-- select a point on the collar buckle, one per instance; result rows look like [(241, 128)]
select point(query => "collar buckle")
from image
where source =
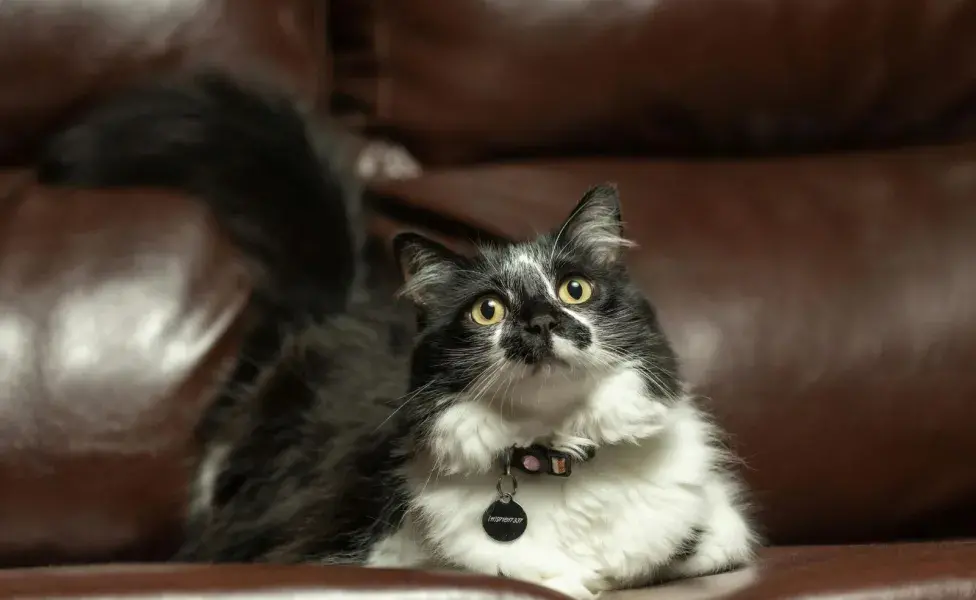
[(538, 459)]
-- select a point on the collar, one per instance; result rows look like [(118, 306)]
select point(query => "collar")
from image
[(538, 459)]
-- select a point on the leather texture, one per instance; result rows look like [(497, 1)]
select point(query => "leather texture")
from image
[(119, 311), (259, 582), (58, 56), (474, 80), (932, 571)]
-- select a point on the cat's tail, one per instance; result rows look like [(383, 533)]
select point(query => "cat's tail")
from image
[(267, 175), (271, 181)]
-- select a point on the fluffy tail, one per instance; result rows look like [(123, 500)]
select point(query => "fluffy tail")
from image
[(250, 155), (268, 180)]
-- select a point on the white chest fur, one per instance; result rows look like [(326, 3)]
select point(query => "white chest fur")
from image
[(617, 520)]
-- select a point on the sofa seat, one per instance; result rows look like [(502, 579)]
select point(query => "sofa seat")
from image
[(923, 570)]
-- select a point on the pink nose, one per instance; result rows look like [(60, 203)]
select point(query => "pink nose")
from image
[(531, 463)]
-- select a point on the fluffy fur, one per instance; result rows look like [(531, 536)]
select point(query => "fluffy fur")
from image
[(656, 502), (353, 441), (268, 173)]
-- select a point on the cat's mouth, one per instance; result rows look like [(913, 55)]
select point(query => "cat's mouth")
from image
[(545, 362), (542, 354)]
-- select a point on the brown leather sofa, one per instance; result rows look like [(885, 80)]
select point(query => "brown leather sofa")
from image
[(800, 176)]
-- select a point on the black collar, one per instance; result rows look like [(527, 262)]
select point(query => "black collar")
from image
[(538, 459)]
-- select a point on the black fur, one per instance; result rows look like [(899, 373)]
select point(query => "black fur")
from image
[(249, 154)]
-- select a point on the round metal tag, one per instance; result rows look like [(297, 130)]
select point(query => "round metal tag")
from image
[(504, 520)]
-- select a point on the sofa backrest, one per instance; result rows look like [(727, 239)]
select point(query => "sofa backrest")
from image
[(57, 57), (471, 80), (118, 313)]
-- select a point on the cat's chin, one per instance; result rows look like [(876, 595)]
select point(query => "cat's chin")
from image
[(542, 369), (546, 365)]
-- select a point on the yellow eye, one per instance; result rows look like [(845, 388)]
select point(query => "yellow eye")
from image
[(575, 290), (488, 310)]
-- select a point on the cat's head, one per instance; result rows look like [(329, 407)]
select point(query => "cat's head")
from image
[(559, 308)]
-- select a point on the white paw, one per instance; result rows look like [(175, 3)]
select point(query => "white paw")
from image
[(727, 543), (572, 445), (533, 573), (637, 430), (467, 438), (569, 585), (620, 410), (713, 556)]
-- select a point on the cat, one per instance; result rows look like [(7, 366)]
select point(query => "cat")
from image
[(520, 414)]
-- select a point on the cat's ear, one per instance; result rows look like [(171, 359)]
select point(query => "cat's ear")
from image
[(424, 263), (594, 226)]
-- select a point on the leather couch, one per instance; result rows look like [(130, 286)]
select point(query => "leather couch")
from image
[(800, 178)]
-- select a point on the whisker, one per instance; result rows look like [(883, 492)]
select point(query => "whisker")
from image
[(406, 400)]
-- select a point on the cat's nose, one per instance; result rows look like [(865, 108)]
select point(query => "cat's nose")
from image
[(541, 324)]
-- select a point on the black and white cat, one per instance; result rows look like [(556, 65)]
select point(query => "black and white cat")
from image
[(535, 427)]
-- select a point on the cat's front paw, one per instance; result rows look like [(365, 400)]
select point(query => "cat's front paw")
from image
[(579, 583), (620, 411), (726, 541), (575, 446), (467, 438), (645, 427), (570, 585)]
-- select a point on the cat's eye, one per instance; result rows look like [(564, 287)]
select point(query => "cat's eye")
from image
[(575, 290), (488, 310)]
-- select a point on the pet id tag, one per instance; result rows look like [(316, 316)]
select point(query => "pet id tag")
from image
[(504, 520)]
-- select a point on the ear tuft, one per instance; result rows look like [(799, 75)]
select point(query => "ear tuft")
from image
[(423, 263), (595, 226)]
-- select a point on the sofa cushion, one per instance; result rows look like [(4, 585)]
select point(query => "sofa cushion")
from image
[(266, 582), (117, 313), (924, 571), (57, 56), (919, 571), (822, 307), (473, 79)]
